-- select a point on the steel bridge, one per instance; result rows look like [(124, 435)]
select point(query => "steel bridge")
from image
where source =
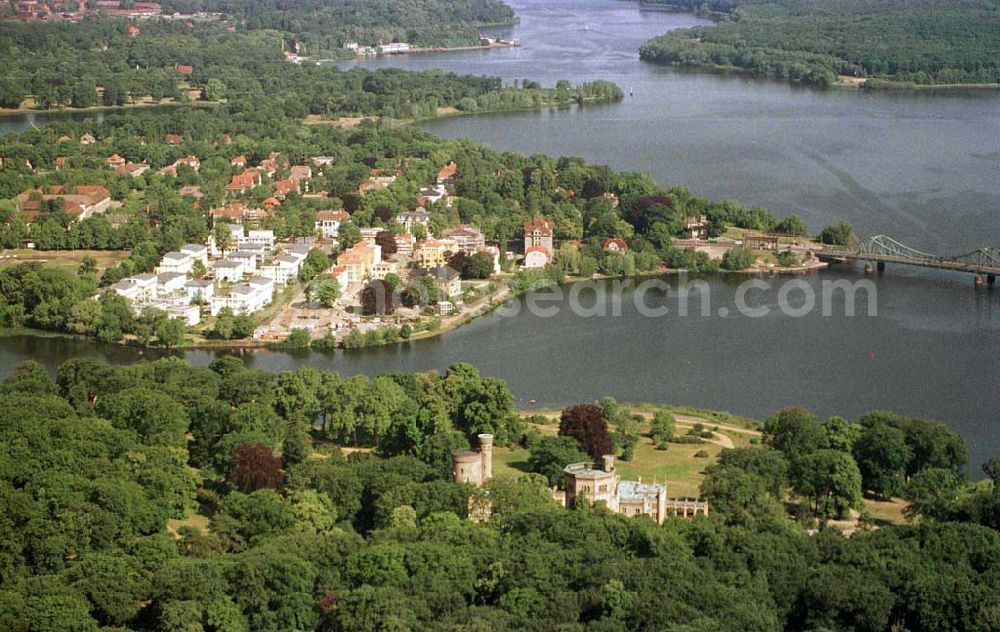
[(882, 249)]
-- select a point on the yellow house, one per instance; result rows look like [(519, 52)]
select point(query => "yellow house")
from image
[(435, 252)]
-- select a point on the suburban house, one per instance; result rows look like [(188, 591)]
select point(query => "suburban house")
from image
[(199, 291), (197, 252), (228, 271), (138, 288), (328, 223), (243, 182), (697, 226), (174, 139), (447, 174), (284, 269), (340, 274), (237, 213), (404, 244), (247, 260), (114, 161), (170, 282), (435, 252), (538, 232), (537, 257), (383, 269), (79, 202), (448, 280), (246, 298), (239, 162), (409, 219), (358, 259), (132, 169), (467, 237), (614, 245), (256, 238), (175, 261), (431, 194)]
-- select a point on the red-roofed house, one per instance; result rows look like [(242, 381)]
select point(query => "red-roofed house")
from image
[(538, 232), (614, 245), (447, 174), (238, 213), (174, 139), (114, 161), (284, 187), (60, 161), (132, 30), (537, 257), (239, 161), (271, 203), (243, 182), (184, 69), (328, 223)]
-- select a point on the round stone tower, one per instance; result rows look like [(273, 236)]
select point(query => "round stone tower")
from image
[(486, 453), (467, 467)]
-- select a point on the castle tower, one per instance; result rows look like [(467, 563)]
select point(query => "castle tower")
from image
[(486, 456)]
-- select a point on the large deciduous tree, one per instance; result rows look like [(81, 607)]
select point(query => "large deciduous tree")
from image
[(586, 424)]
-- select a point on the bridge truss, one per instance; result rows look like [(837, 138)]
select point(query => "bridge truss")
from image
[(884, 248)]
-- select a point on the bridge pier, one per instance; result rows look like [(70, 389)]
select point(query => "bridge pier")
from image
[(881, 266), (991, 279), (868, 267), (978, 282)]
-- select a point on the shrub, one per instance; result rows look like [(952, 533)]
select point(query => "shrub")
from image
[(701, 454), (663, 445)]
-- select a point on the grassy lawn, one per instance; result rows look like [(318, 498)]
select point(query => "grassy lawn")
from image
[(63, 258), (677, 466), (194, 520), (887, 511)]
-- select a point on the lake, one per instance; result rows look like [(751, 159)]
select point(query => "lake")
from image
[(921, 167)]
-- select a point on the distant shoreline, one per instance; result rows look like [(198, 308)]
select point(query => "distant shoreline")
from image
[(22, 111)]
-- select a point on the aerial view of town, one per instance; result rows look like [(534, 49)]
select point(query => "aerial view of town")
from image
[(588, 315)]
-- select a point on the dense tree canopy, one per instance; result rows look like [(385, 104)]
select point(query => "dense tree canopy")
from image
[(90, 477), (922, 42)]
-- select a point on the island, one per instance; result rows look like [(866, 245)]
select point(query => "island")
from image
[(880, 44)]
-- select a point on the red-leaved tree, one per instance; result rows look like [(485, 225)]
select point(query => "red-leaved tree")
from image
[(255, 467), (586, 424)]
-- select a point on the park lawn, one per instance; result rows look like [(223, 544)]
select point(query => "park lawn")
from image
[(887, 511), (677, 466), (195, 520), (510, 461), (62, 258)]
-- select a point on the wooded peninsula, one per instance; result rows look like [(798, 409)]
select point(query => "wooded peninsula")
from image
[(885, 43)]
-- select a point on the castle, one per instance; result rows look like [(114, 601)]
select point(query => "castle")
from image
[(584, 481), (595, 484), (474, 466)]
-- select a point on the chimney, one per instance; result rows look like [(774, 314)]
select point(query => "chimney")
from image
[(609, 462)]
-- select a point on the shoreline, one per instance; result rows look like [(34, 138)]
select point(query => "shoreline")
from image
[(850, 83), (493, 302), (446, 112), (15, 112)]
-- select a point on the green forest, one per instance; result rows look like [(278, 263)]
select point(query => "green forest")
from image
[(160, 496), (324, 26), (886, 42)]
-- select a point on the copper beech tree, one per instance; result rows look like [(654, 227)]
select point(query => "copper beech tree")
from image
[(586, 424), (255, 467)]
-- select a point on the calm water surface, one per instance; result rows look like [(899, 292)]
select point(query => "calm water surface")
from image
[(923, 168)]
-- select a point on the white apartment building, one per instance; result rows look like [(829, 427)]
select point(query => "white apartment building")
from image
[(227, 271), (175, 261)]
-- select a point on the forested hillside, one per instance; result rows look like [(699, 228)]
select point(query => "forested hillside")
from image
[(164, 497), (926, 42)]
